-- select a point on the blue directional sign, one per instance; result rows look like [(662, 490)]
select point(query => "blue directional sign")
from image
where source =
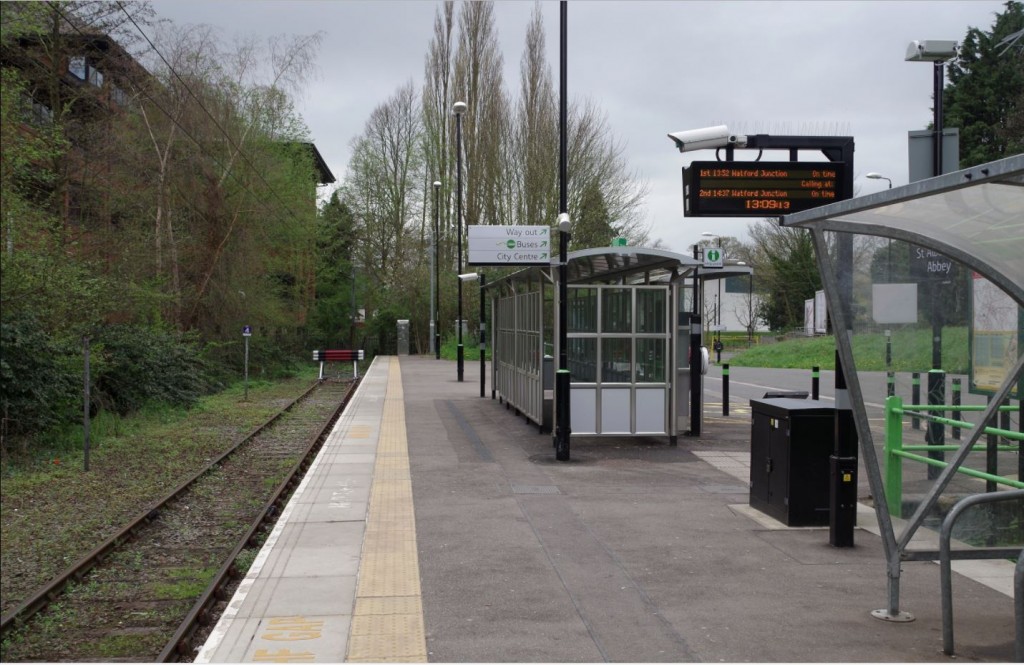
[(246, 331)]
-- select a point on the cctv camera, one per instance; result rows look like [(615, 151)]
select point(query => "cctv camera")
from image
[(469, 276), (708, 138), (563, 222), (930, 50)]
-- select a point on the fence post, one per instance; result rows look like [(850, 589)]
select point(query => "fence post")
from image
[(725, 389), (893, 461), (815, 381), (936, 434), (991, 452), (915, 397), (957, 414)]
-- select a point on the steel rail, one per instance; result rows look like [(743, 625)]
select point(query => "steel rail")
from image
[(201, 612), (52, 589)]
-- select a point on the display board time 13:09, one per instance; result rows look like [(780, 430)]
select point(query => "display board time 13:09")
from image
[(759, 189)]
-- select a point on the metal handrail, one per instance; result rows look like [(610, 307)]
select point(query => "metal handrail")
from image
[(945, 567), (896, 452)]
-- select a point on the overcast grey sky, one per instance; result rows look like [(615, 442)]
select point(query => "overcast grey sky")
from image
[(653, 67)]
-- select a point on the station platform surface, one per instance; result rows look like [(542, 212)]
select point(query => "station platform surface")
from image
[(436, 525)]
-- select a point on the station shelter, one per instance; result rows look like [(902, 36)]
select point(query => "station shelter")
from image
[(630, 319), (974, 218)]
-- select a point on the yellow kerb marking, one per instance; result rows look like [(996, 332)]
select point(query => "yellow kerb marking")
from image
[(359, 432), (387, 623)]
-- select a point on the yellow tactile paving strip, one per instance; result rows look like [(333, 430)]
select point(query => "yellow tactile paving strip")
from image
[(387, 623)]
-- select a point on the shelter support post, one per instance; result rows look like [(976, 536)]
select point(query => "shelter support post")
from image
[(844, 348), (696, 387)]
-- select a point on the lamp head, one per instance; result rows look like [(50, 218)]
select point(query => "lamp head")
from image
[(459, 108), (931, 50), (469, 277), (437, 184)]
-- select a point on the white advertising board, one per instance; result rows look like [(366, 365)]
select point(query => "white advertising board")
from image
[(809, 317), (509, 245), (894, 303), (820, 313)]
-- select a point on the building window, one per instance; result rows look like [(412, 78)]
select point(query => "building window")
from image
[(34, 112), (95, 77), (77, 67)]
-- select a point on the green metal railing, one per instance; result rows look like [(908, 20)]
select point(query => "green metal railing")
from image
[(896, 451)]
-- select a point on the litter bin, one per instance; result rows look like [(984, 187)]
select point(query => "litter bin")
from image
[(791, 441)]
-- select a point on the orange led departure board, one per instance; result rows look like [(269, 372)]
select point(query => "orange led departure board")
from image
[(759, 189)]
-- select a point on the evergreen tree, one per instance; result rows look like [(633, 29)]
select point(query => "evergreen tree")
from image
[(985, 96)]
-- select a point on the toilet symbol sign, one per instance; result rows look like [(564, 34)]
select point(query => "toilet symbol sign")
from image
[(713, 257)]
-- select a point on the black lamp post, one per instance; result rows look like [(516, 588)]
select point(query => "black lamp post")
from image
[(562, 380), (936, 52), (459, 108), (437, 279), (879, 176)]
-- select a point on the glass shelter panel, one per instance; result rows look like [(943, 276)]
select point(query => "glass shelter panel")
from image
[(583, 359), (582, 308), (616, 360), (650, 360), (651, 310), (616, 310), (930, 332)]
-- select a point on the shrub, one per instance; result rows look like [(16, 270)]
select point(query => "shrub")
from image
[(39, 379), (140, 364)]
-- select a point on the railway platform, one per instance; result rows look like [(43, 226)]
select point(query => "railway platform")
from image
[(436, 525)]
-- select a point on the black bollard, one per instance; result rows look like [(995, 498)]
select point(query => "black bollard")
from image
[(957, 414), (890, 384), (936, 434), (915, 397), (815, 382), (725, 389), (991, 452)]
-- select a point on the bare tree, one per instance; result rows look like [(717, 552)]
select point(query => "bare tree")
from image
[(383, 188)]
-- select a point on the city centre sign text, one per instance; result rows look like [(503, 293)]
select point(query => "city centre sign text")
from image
[(509, 245)]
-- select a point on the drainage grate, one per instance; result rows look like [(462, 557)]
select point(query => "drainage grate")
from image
[(535, 489)]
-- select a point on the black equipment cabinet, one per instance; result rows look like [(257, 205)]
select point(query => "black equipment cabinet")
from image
[(791, 441)]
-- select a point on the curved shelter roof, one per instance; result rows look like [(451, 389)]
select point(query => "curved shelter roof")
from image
[(975, 216), (628, 264)]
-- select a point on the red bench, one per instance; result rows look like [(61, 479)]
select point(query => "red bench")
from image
[(338, 355)]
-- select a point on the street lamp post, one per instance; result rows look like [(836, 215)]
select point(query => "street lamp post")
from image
[(936, 52), (471, 277), (459, 108), (437, 279), (879, 176), (563, 381)]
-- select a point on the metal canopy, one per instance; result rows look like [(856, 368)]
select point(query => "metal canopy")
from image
[(629, 264), (975, 216)]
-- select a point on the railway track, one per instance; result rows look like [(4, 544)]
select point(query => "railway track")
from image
[(143, 594)]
